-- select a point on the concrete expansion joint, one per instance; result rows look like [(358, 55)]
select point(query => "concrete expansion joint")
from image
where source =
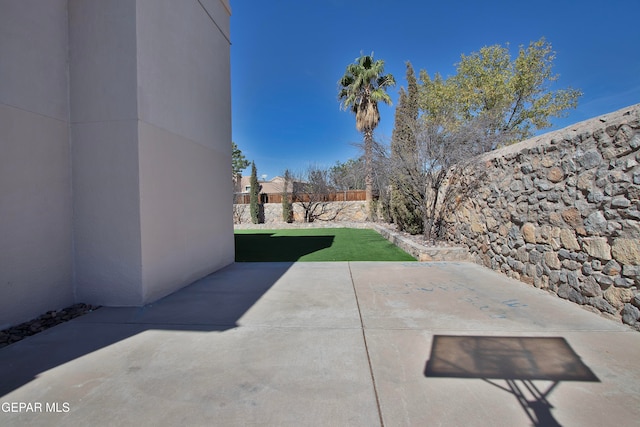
[(294, 327), (366, 348)]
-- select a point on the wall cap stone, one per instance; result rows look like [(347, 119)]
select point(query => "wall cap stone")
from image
[(624, 115)]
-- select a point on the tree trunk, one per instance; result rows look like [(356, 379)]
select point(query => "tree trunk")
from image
[(368, 170)]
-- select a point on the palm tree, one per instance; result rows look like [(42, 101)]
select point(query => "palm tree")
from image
[(363, 85)]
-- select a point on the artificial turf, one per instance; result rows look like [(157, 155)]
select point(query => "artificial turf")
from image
[(315, 244)]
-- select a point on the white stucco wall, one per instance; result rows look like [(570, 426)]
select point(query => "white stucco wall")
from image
[(115, 130), (35, 173), (106, 203), (151, 132), (184, 104), (104, 147)]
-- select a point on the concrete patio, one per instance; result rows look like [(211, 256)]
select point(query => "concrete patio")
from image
[(331, 344)]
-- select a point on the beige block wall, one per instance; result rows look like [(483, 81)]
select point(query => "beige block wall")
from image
[(35, 177)]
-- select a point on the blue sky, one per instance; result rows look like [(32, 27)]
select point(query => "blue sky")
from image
[(288, 55)]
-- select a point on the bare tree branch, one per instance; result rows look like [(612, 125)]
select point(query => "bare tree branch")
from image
[(313, 192)]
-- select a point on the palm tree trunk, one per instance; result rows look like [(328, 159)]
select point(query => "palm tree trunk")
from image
[(368, 169)]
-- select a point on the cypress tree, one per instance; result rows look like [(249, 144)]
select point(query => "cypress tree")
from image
[(403, 146), (254, 206)]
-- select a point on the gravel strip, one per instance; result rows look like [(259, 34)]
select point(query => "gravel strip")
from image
[(46, 321)]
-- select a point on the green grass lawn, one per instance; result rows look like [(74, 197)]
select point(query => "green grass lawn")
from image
[(315, 244)]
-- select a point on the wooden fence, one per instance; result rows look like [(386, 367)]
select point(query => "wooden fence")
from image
[(338, 196)]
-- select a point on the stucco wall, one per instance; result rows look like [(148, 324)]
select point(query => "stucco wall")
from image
[(152, 134), (105, 154), (115, 122), (562, 212), (184, 101), (35, 174)]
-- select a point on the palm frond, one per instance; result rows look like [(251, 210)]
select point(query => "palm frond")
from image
[(379, 95), (386, 81), (363, 85)]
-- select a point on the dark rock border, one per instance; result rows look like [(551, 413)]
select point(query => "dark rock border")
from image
[(46, 321)]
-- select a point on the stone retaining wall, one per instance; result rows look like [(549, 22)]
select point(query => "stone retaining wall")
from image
[(333, 211), (562, 212), (420, 251)]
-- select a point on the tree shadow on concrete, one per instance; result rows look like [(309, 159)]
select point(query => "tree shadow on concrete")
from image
[(213, 303), (519, 361), (264, 247)]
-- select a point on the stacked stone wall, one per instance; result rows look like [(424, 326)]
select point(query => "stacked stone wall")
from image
[(332, 211), (562, 212)]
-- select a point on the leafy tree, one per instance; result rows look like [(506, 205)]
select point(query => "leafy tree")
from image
[(363, 85), (513, 97), (239, 162), (491, 101), (254, 202), (287, 209), (403, 147), (431, 151)]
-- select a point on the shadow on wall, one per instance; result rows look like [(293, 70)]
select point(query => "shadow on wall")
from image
[(517, 360), (212, 304)]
